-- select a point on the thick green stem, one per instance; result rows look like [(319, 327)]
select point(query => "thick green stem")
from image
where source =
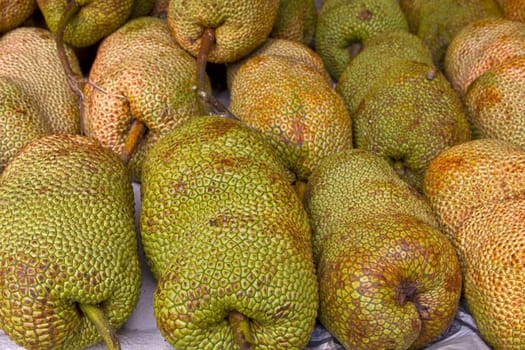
[(207, 41), (99, 319), (241, 330), (73, 80), (135, 135)]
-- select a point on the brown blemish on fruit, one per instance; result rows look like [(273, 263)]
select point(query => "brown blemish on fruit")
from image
[(488, 98)]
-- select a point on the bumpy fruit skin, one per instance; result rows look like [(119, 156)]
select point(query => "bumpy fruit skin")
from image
[(381, 56), (240, 26), (438, 22), (513, 9), (495, 102), (368, 179), (296, 20), (67, 236), (479, 46), (294, 105), (95, 19), (20, 120), (223, 230), (388, 278), (492, 243), (140, 72), (36, 98), (14, 13), (142, 8), (410, 116), (342, 23), (467, 175)]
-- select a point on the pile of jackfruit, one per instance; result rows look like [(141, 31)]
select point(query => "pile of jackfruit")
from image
[(351, 165)]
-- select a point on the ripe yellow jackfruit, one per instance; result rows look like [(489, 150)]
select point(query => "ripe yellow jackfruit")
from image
[(14, 13), (479, 46), (36, 98), (495, 102), (139, 73), (294, 105)]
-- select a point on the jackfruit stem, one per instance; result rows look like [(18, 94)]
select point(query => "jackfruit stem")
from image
[(241, 330), (73, 81), (207, 42), (101, 322), (214, 105), (135, 135)]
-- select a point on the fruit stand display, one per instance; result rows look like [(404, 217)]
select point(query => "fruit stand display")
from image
[(262, 174)]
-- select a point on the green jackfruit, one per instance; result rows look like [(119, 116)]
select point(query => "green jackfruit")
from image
[(343, 25), (239, 26), (296, 20), (14, 13), (226, 236), (365, 73), (139, 73), (94, 20), (68, 245), (437, 22), (388, 278)]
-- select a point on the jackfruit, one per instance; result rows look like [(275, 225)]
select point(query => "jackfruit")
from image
[(296, 20), (388, 278), (495, 102), (465, 176), (227, 237), (14, 13), (239, 26), (68, 245), (365, 73), (513, 9), (477, 191), (479, 46), (343, 25), (438, 22), (36, 99), (491, 242), (293, 104), (402, 107), (94, 19), (139, 73)]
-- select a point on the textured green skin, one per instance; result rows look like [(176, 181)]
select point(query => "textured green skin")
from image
[(14, 13), (380, 57), (437, 22), (19, 121), (368, 179), (296, 20), (36, 99), (223, 230), (240, 25), (292, 104), (142, 8), (400, 104), (145, 75), (363, 266), (67, 236), (343, 22), (95, 20), (373, 234)]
